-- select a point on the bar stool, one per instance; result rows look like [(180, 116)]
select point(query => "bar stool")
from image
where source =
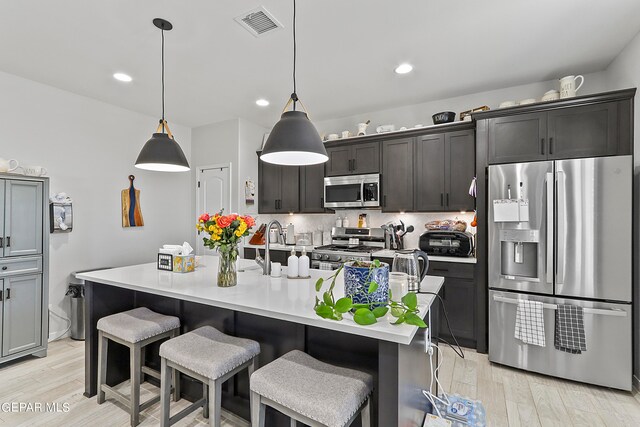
[(135, 329), (312, 392), (209, 356)]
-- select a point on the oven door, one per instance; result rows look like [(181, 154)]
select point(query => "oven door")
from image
[(354, 191)]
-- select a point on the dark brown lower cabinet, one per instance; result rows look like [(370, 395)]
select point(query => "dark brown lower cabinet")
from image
[(459, 296)]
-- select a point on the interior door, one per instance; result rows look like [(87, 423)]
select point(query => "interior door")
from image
[(594, 223), (21, 326), (213, 196), (23, 218)]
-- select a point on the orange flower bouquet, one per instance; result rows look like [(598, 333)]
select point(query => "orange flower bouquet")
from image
[(225, 232)]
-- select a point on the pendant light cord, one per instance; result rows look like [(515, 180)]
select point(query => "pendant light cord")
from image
[(294, 95), (162, 32)]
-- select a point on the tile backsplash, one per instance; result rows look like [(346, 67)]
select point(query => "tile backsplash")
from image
[(307, 223)]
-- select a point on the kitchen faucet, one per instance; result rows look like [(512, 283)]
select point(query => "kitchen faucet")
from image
[(266, 263)]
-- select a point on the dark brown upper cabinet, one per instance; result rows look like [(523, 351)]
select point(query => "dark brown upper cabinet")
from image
[(397, 175), (279, 188), (444, 168), (349, 159), (573, 131), (312, 189)]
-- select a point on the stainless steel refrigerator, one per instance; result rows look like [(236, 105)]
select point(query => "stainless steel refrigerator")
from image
[(560, 232)]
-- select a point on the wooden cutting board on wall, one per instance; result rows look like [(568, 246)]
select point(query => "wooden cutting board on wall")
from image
[(131, 211)]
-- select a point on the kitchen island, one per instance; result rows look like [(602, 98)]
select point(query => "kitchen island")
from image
[(276, 312)]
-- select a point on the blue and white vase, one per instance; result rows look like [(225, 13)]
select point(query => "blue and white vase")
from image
[(356, 284)]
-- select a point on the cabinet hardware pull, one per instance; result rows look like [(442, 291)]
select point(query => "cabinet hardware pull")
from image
[(542, 146), (275, 204), (8, 294), (355, 167), (8, 241), (4, 268), (440, 269), (447, 199), (441, 199), (1, 242), (0, 295), (550, 145), (384, 200)]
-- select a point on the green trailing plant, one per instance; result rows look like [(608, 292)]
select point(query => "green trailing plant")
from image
[(327, 307)]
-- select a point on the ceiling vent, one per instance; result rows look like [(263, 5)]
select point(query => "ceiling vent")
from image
[(258, 21)]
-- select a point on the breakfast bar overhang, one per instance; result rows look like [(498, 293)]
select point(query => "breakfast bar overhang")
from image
[(276, 312)]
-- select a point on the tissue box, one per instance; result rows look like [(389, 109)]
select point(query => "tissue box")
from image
[(184, 263), (176, 263)]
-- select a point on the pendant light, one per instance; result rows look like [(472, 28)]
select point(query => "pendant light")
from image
[(162, 152), (294, 140)]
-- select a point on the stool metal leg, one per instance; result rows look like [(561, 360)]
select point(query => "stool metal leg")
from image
[(205, 394), (143, 353), (135, 384), (175, 376), (365, 414), (257, 410), (165, 392), (103, 346), (215, 402)]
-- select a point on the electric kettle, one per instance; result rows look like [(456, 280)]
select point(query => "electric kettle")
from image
[(409, 262)]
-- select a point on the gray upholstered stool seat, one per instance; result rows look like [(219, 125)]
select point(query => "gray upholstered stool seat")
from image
[(311, 391), (135, 329), (210, 352), (137, 324), (209, 356)]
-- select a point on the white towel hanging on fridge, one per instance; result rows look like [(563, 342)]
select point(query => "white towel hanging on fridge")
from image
[(530, 322)]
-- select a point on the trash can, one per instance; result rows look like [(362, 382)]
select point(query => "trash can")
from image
[(76, 294)]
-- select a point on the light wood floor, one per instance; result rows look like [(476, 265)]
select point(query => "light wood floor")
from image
[(511, 397)]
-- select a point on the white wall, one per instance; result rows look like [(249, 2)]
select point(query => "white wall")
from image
[(89, 149), (411, 115), (622, 73), (249, 141)]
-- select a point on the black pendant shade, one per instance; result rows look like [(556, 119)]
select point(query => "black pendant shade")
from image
[(162, 152), (293, 141)]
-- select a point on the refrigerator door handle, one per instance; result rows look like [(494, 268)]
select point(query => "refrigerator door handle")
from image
[(587, 310), (560, 224), (550, 216)]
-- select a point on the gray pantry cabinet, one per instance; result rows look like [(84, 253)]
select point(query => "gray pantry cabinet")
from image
[(24, 242)]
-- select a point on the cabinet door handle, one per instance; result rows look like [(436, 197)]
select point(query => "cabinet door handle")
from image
[(441, 199), (440, 269), (384, 200), (8, 297), (0, 295), (447, 199), (322, 202), (542, 146), (1, 242), (8, 241), (550, 145), (4, 268), (355, 167)]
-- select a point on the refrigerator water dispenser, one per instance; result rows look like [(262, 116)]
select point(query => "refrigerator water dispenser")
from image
[(519, 254)]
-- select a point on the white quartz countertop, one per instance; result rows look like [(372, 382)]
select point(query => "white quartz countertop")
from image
[(390, 253), (285, 299)]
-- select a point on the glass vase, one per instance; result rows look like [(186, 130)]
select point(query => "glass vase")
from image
[(227, 275)]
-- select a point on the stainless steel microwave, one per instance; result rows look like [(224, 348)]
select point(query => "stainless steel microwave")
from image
[(352, 191)]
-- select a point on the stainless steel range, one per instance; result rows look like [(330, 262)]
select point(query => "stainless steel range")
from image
[(347, 244)]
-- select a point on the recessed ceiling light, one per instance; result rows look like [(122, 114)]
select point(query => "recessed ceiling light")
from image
[(404, 68), (122, 77), (262, 102)]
